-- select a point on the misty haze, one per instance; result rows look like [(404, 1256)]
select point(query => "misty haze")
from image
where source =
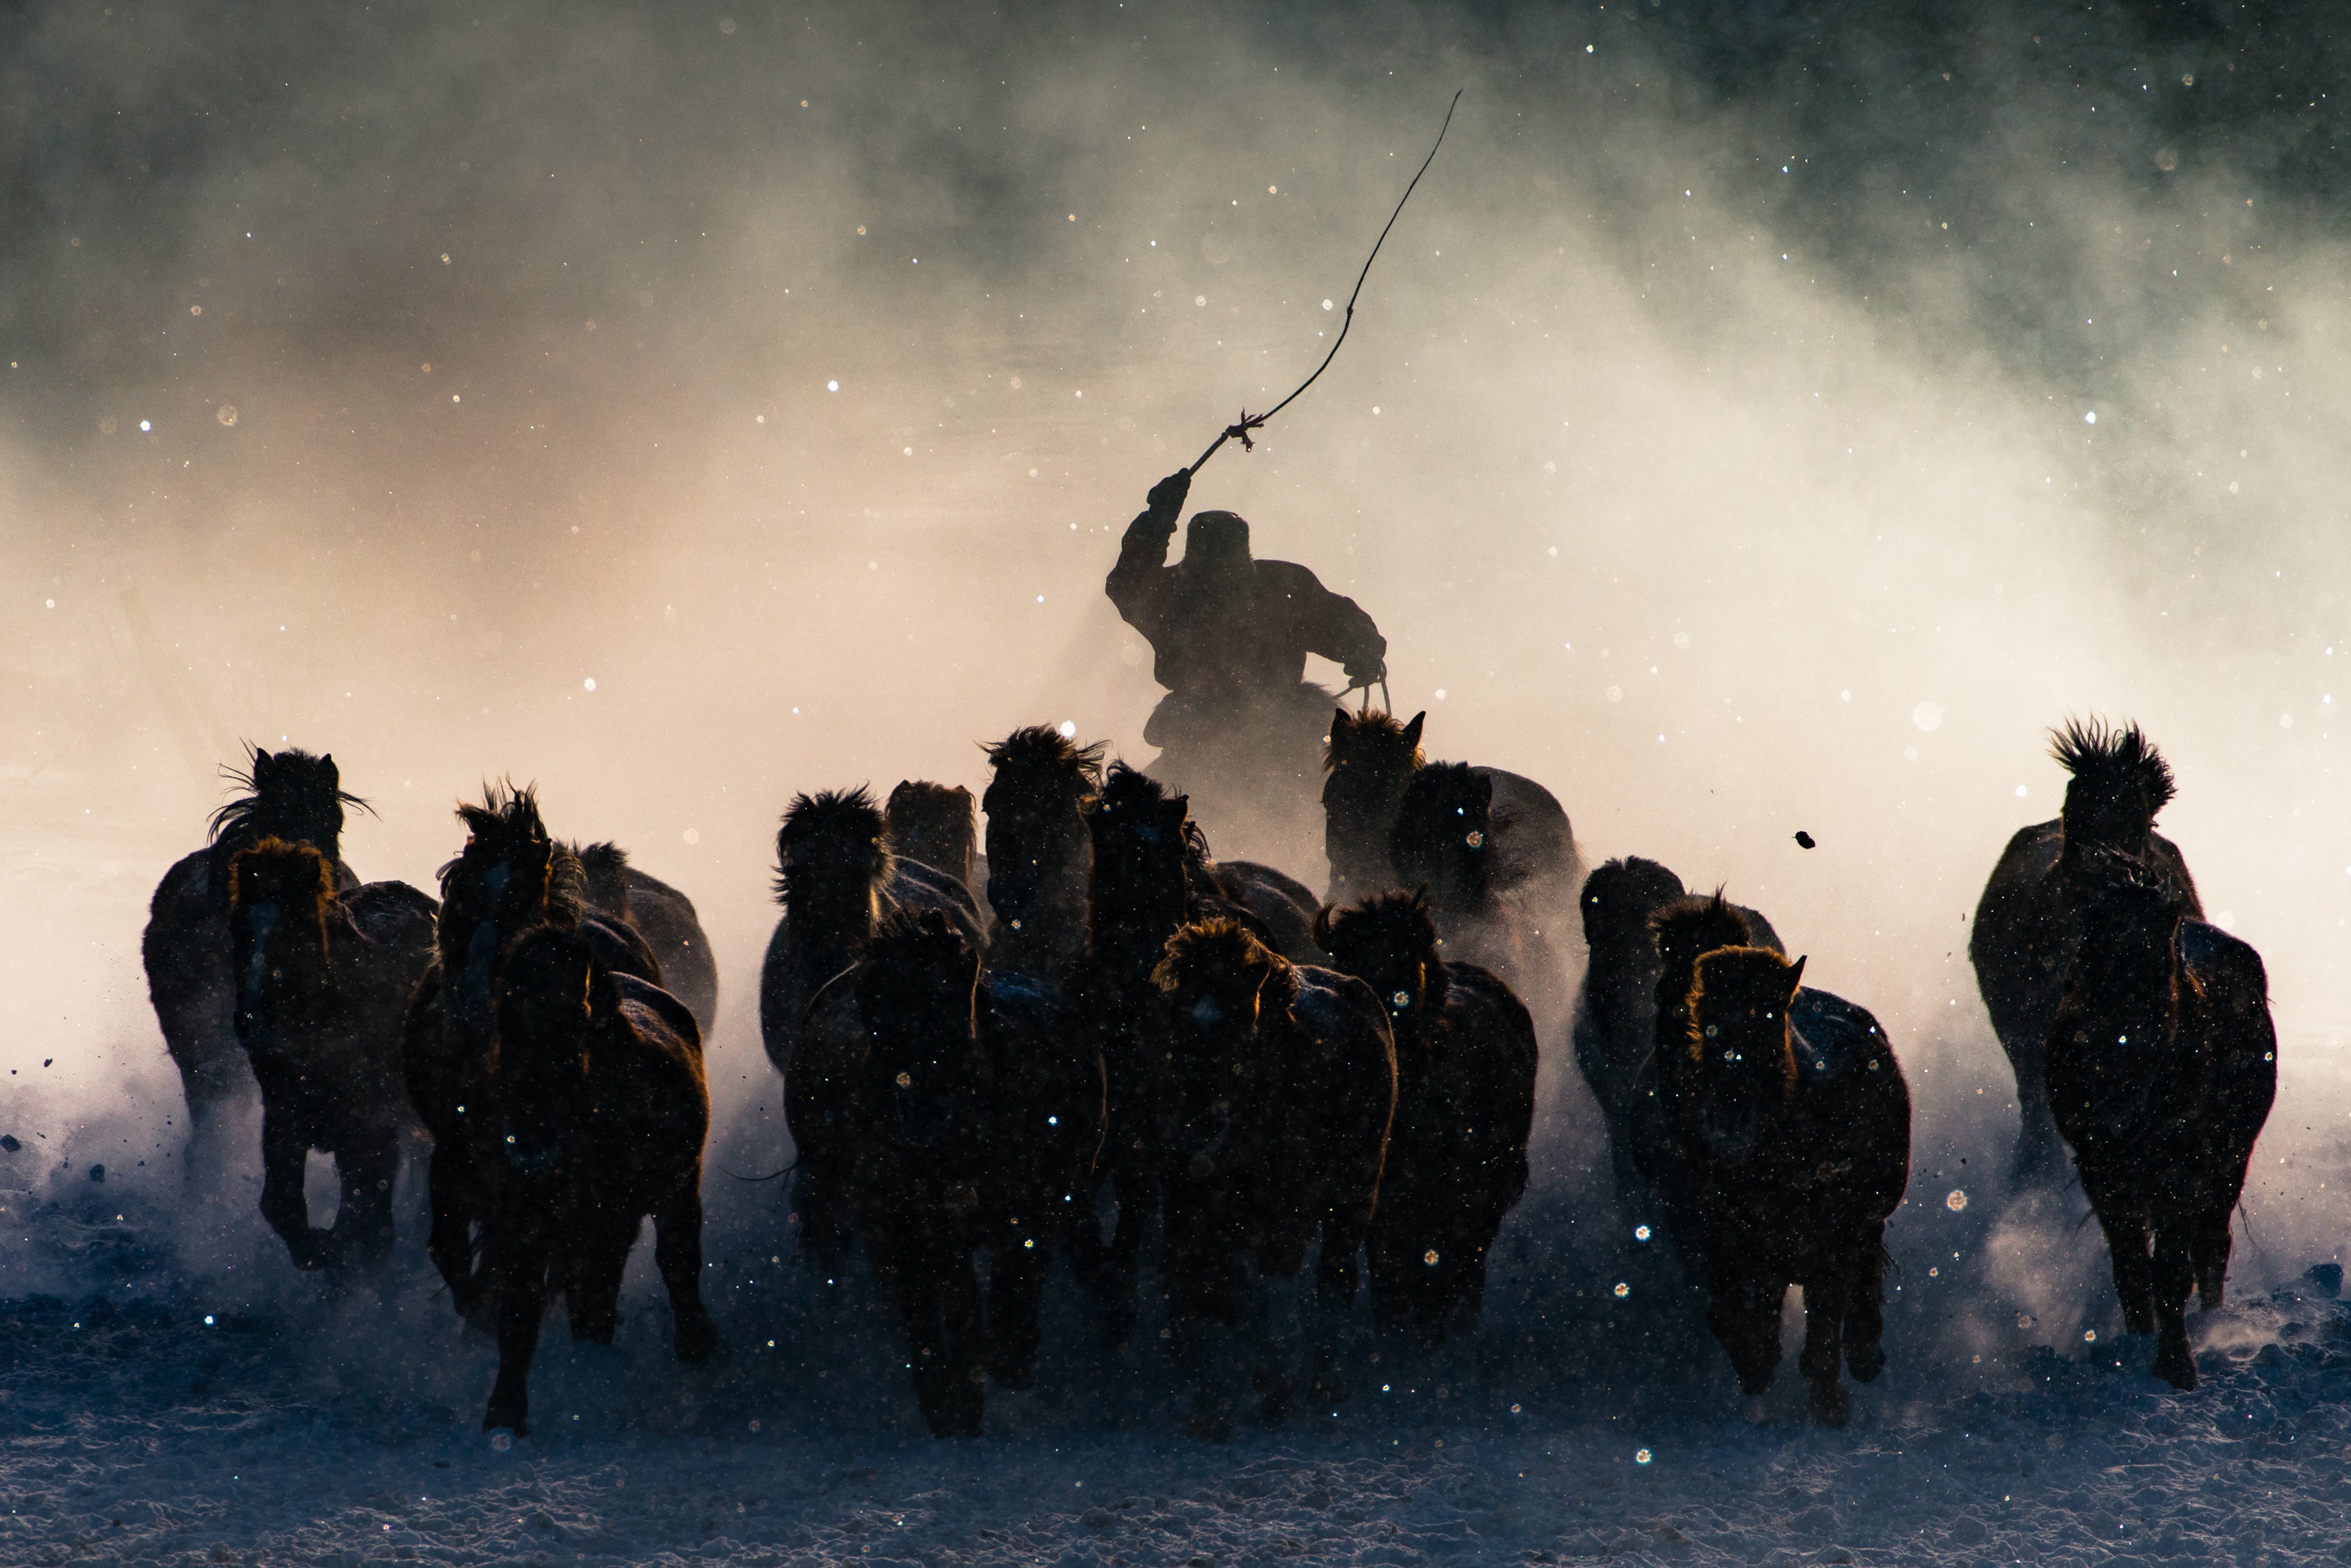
[(1763, 432)]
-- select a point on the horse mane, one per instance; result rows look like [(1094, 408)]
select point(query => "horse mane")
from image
[(1394, 921), (1380, 723), (1743, 974), (604, 868), (550, 955), (507, 819), (2111, 765), (915, 939), (1623, 898), (304, 867), (1124, 789), (921, 814), (1230, 947), (848, 817), (1040, 751), (289, 795)]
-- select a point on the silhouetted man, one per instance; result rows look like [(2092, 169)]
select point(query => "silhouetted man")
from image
[(1241, 725)]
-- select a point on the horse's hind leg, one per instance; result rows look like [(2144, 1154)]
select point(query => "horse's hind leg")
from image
[(1334, 1294), (965, 1398), (1743, 1312), (678, 1253), (2210, 1253), (2174, 1274), (2125, 1222), (1273, 1371), (1865, 1308), (1827, 1301), (596, 1258)]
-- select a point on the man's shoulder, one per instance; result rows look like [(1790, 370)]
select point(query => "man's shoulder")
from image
[(1287, 577)]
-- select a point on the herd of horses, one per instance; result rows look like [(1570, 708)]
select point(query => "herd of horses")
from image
[(1085, 1036)]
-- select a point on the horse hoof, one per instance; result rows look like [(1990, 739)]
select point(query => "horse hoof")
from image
[(698, 1340), (1866, 1361), (2177, 1367), (2213, 1296), (1019, 1376), (1830, 1404), (517, 1421)]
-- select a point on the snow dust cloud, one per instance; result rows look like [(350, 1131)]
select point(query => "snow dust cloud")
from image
[(1761, 420)]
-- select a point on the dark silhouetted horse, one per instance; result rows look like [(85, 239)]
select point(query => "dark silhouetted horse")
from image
[(837, 882), (1791, 1120), (1037, 847), (663, 916), (1279, 1097), (323, 983), (2162, 1064), (603, 1111), (1371, 757), (2025, 932), (509, 878), (289, 795), (1443, 843), (939, 1116), (1456, 1161), (1616, 1028)]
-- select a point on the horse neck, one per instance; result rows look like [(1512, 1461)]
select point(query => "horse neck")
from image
[(1359, 812), (299, 955), (1126, 937), (1042, 887), (2119, 990)]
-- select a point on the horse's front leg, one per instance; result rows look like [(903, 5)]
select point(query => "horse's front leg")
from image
[(1743, 1312), (1865, 1306), (1335, 1297), (2123, 1216), (285, 1156), (1273, 1343), (2173, 1278), (522, 1302), (1017, 1263), (1827, 1303)]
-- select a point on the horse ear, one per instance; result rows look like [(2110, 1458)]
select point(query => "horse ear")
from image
[(1796, 975), (1322, 926), (327, 765), (1411, 731), (1339, 719), (262, 761)]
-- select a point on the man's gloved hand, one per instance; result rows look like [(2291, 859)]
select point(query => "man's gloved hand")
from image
[(1366, 676), (1166, 497)]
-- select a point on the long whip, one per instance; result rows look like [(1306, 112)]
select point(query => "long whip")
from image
[(1239, 429)]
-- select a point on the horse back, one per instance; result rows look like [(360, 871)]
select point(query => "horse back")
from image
[(1285, 905), (2228, 996), (665, 918), (1533, 841), (1490, 1054), (620, 947), (673, 1014), (653, 1093)]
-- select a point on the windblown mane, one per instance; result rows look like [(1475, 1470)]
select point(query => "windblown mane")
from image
[(1690, 928), (915, 941), (2110, 766), (1040, 751), (604, 867), (847, 819), (921, 815), (290, 794), (1226, 946), (508, 819), (1127, 791), (294, 867)]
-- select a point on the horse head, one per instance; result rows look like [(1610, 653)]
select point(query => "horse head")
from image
[(281, 895), (1442, 836), (2117, 782), (1037, 843), (502, 883), (1389, 942), (1222, 987), (917, 991), (1685, 929), (1742, 1059), (1141, 874), (552, 1001), (604, 871), (1369, 759), (832, 870), (289, 795), (933, 823)]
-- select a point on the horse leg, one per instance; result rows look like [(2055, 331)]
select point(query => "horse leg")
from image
[(2210, 1253), (678, 1253), (1864, 1307), (963, 1397), (2123, 1219), (522, 1302), (2173, 1278), (366, 1164), (449, 1180), (594, 1262), (1827, 1299), (1118, 1285), (1334, 1296), (284, 1152), (1743, 1312), (1273, 1364), (1192, 1343), (912, 1277), (1016, 1287)]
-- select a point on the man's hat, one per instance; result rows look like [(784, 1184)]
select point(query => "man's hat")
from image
[(1213, 534)]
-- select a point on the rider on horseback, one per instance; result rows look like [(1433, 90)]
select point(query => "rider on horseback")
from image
[(1230, 637)]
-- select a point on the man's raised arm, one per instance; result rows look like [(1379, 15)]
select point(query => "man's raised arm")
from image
[(1137, 584)]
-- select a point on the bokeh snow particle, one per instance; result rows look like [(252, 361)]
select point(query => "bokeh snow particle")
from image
[(1957, 1201), (1642, 1455), (1927, 717), (1068, 728), (2091, 417), (693, 835), (228, 413), (148, 424), (589, 683), (1326, 305)]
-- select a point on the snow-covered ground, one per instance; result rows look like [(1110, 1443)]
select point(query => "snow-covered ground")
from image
[(171, 1392)]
